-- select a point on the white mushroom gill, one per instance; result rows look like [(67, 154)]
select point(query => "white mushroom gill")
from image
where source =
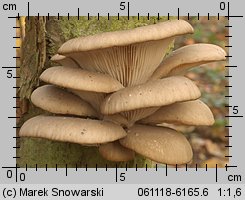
[(135, 115), (130, 65)]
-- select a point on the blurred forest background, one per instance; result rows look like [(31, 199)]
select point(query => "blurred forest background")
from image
[(39, 41)]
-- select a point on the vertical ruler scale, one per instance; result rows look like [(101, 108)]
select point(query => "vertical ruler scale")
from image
[(227, 182), (236, 105), (8, 75)]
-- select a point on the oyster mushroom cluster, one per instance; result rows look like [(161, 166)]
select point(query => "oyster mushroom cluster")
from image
[(115, 89)]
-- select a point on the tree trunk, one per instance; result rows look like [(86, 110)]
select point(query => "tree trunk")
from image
[(43, 37)]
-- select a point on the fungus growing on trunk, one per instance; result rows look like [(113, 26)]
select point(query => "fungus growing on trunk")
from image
[(129, 56), (123, 79)]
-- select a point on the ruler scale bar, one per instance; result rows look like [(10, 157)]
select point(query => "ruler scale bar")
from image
[(225, 171)]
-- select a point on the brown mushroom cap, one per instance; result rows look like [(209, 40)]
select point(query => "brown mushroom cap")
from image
[(129, 56), (63, 60), (76, 78), (69, 129), (187, 57), (114, 151), (186, 113), (126, 37), (151, 94), (59, 101), (163, 145)]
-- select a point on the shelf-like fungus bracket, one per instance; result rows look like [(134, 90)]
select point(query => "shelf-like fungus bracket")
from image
[(70, 129), (151, 94), (78, 79), (187, 57), (194, 113), (59, 101), (163, 145), (129, 56)]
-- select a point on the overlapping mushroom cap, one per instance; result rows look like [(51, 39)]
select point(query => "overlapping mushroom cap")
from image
[(129, 56), (123, 79)]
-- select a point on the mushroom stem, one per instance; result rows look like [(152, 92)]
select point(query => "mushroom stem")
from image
[(135, 115)]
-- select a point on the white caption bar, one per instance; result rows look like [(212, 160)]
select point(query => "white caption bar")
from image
[(123, 191)]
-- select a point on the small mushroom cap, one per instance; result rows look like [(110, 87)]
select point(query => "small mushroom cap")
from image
[(75, 78), (187, 57), (163, 145), (57, 57), (69, 129), (126, 37), (59, 101), (185, 113), (63, 60), (151, 94), (114, 151)]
